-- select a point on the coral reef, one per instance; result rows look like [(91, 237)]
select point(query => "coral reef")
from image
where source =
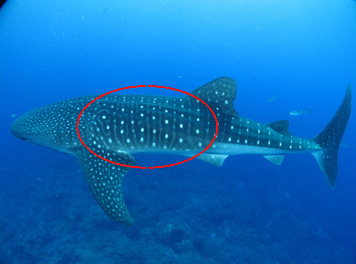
[(180, 218)]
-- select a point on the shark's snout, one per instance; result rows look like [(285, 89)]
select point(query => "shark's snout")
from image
[(16, 130), (22, 127)]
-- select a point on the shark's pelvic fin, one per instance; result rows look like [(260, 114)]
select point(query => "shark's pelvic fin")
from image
[(275, 159), (329, 139), (213, 159), (105, 181), (219, 94)]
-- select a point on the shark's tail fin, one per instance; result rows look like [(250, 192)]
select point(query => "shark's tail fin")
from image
[(329, 139)]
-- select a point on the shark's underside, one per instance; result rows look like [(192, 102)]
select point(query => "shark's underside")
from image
[(117, 126)]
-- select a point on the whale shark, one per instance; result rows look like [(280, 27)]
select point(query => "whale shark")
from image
[(118, 126)]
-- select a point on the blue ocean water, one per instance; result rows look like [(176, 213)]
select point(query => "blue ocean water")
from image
[(284, 56)]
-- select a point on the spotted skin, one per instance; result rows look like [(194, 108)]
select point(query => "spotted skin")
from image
[(105, 181), (117, 126)]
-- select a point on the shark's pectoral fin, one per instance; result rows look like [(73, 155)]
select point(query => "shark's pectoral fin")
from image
[(105, 179), (213, 159), (275, 159)]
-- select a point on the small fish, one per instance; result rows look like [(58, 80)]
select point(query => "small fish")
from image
[(271, 99), (13, 115), (301, 112)]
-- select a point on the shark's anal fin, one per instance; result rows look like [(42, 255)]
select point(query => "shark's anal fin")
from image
[(105, 181)]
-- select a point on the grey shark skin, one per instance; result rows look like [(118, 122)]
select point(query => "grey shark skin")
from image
[(117, 126)]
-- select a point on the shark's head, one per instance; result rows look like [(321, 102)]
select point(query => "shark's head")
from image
[(26, 127), (51, 126), (34, 127), (18, 128)]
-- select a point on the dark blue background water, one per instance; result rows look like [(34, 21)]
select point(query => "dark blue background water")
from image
[(249, 211)]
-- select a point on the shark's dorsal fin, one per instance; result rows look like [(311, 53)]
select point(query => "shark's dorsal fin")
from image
[(219, 94), (105, 179), (281, 126)]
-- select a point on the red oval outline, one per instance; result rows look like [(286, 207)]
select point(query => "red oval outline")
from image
[(154, 167)]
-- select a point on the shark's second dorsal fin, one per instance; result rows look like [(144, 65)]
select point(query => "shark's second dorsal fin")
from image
[(105, 180), (219, 94), (281, 126)]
